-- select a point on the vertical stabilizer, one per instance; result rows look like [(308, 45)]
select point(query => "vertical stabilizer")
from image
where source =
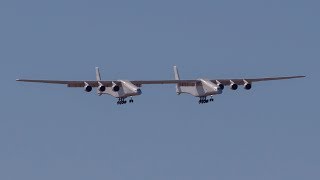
[(177, 77), (176, 73), (98, 77)]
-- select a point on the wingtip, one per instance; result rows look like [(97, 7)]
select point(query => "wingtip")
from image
[(17, 79)]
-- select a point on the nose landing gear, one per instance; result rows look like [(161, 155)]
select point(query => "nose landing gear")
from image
[(131, 100)]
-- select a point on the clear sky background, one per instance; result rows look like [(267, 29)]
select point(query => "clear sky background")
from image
[(53, 132)]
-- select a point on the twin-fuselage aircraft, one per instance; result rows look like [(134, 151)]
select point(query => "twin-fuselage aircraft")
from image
[(123, 89)]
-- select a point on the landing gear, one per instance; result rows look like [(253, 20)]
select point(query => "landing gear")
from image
[(211, 98), (121, 101), (204, 100)]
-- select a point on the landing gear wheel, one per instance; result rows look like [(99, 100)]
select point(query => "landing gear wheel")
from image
[(121, 101), (204, 100)]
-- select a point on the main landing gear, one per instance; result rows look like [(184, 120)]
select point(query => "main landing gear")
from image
[(123, 101), (204, 100)]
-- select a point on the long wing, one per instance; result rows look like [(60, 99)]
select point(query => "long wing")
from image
[(243, 81), (225, 82)]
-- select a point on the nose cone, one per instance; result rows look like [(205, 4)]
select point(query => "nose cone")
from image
[(139, 92)]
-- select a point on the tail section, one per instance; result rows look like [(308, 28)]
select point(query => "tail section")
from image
[(101, 87), (98, 77), (177, 77), (176, 73)]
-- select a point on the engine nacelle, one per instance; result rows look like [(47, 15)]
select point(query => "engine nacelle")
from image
[(221, 86), (88, 88), (247, 86), (115, 88), (101, 88), (234, 86)]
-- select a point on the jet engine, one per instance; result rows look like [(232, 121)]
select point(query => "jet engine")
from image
[(234, 86), (221, 86), (88, 88), (247, 86), (115, 88), (101, 88)]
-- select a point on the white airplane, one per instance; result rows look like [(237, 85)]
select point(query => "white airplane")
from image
[(123, 89)]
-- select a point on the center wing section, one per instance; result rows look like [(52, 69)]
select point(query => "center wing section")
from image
[(162, 82)]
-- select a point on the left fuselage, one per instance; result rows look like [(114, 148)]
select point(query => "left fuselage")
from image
[(202, 89)]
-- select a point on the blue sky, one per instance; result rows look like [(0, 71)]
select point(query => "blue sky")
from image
[(54, 132)]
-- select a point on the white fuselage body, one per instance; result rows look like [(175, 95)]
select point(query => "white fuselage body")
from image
[(202, 89)]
